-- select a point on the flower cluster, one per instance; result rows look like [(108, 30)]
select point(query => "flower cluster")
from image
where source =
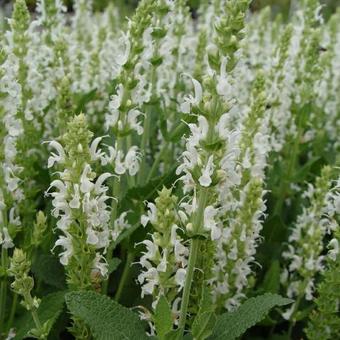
[(22, 285), (304, 252), (80, 204), (165, 260)]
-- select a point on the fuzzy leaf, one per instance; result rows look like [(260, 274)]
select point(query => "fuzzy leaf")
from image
[(84, 99), (149, 190), (125, 234), (271, 281), (49, 310), (203, 325), (113, 264), (48, 269), (163, 318), (173, 335), (232, 325), (205, 320), (107, 319), (206, 304)]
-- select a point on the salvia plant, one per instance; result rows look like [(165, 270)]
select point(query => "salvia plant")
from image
[(173, 174)]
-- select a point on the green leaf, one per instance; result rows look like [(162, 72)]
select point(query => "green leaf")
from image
[(47, 268), (107, 319), (84, 99), (205, 320), (125, 234), (149, 190), (174, 335), (303, 171), (49, 310), (229, 326), (271, 281), (163, 318), (113, 264), (206, 304), (203, 325)]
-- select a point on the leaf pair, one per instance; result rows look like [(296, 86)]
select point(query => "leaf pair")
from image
[(49, 310), (109, 321), (230, 326)]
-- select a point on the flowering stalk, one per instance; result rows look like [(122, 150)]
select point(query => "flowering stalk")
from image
[(304, 253), (324, 320), (242, 207), (124, 106), (23, 285), (13, 126), (209, 145), (81, 209), (165, 261)]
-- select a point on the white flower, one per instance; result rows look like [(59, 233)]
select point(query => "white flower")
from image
[(120, 224), (205, 179), (222, 126), (337, 203), (92, 237), (111, 119), (198, 132), (107, 159), (75, 201), (190, 100), (152, 278), (12, 219), (123, 54), (309, 290), (100, 265), (151, 249), (223, 86), (58, 157), (85, 184), (162, 265), (180, 278), (11, 334), (181, 252), (5, 239), (119, 165), (288, 313), (132, 160), (96, 154), (144, 220), (133, 122), (66, 243), (334, 249), (209, 222), (151, 215), (116, 99), (99, 188)]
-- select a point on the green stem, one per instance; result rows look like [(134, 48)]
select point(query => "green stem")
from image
[(144, 142), (3, 288), (147, 120), (116, 185), (155, 164), (13, 310), (203, 197), (285, 183), (194, 246), (36, 319), (116, 188), (296, 308), (125, 275), (130, 179)]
